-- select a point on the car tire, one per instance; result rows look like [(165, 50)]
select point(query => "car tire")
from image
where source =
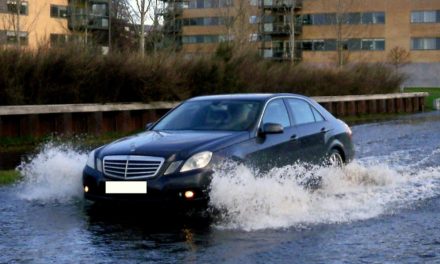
[(335, 158)]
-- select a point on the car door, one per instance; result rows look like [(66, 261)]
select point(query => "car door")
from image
[(310, 128), (273, 150)]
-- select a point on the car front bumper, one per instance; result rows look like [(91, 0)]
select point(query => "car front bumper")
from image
[(162, 190)]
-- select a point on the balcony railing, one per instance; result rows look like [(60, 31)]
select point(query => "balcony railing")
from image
[(282, 4)]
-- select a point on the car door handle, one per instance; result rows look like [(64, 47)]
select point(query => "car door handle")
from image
[(293, 137), (324, 130)]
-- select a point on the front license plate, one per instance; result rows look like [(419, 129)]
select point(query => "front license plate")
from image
[(129, 187)]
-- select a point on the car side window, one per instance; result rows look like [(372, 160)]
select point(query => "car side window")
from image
[(318, 116), (302, 111), (276, 112)]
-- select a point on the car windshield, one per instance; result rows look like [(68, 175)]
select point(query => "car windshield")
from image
[(225, 115)]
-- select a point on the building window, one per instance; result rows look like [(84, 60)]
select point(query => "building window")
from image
[(204, 21), (58, 11), (12, 7), (351, 44), (425, 17), (373, 44), (254, 19), (344, 18), (319, 45), (376, 18), (209, 3), (11, 37), (425, 43), (203, 39), (58, 39), (99, 10), (353, 18)]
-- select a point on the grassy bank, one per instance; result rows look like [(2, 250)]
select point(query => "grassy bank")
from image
[(9, 177), (434, 93)]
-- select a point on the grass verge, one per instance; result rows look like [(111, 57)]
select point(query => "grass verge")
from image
[(434, 93), (9, 177)]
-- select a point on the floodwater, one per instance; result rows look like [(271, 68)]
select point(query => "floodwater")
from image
[(382, 208)]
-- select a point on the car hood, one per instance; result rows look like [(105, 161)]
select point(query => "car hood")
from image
[(182, 144)]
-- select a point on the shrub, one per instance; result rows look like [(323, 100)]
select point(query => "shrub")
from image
[(72, 75)]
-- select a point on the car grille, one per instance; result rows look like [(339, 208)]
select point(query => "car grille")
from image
[(132, 167)]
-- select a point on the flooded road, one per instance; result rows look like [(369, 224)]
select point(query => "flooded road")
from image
[(382, 208)]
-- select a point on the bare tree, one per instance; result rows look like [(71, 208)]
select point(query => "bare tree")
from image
[(139, 11), (398, 57), (342, 7), (236, 15), (291, 4), (341, 20)]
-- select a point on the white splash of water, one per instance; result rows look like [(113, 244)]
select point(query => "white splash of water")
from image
[(54, 174), (279, 199)]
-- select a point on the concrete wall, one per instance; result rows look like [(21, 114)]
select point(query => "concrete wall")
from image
[(20, 121)]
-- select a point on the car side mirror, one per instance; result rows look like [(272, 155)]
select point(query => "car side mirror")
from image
[(272, 128), (149, 125)]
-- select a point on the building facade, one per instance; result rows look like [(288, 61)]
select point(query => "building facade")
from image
[(52, 22), (313, 31)]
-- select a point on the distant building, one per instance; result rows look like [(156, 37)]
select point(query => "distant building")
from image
[(53, 22), (323, 31), (326, 32)]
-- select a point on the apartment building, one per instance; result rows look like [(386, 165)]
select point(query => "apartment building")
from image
[(33, 23), (312, 31)]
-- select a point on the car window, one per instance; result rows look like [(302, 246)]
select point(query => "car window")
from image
[(276, 112), (301, 110), (212, 115), (318, 116)]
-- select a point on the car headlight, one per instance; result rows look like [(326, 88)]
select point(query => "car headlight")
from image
[(197, 161), (91, 159)]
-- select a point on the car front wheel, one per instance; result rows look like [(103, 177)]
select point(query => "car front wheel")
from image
[(335, 158)]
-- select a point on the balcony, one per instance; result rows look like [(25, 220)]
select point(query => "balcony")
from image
[(282, 4), (280, 29)]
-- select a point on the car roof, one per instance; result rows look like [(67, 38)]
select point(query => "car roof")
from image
[(248, 96)]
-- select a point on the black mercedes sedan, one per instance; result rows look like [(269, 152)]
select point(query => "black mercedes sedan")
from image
[(173, 160)]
